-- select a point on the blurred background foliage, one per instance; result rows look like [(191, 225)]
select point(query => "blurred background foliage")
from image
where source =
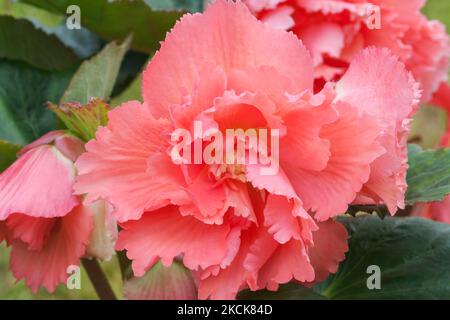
[(39, 55)]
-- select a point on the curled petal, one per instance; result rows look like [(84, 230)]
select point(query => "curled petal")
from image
[(38, 184), (64, 247), (164, 234)]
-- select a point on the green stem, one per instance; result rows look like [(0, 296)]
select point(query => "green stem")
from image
[(98, 279), (124, 264)]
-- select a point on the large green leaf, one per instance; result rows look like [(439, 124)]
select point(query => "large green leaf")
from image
[(439, 10), (21, 40), (24, 92), (185, 5), (413, 255), (8, 153), (428, 175), (114, 20), (290, 291), (96, 77)]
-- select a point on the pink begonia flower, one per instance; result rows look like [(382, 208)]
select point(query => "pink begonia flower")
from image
[(336, 30), (234, 226), (46, 225)]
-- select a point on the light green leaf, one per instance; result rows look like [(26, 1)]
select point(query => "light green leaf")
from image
[(20, 10), (438, 10), (429, 126), (186, 5), (132, 92), (96, 77), (413, 255), (21, 40), (291, 291), (82, 120), (24, 92), (428, 175), (8, 153), (115, 20)]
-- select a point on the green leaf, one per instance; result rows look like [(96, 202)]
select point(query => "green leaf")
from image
[(413, 255), (290, 291), (20, 10), (428, 175), (438, 10), (82, 120), (21, 40), (132, 92), (185, 5), (8, 153), (24, 92), (83, 42), (96, 77), (115, 20)]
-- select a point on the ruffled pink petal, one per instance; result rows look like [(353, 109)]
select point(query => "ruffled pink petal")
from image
[(189, 187), (210, 83), (238, 198), (429, 62), (330, 191), (303, 147), (330, 246), (222, 36), (115, 165), (387, 183), (321, 39), (334, 6), (379, 86), (266, 81), (64, 247), (30, 230), (227, 282), (276, 184), (289, 261), (281, 216), (258, 5), (207, 199), (280, 18), (38, 184), (164, 234), (245, 111)]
